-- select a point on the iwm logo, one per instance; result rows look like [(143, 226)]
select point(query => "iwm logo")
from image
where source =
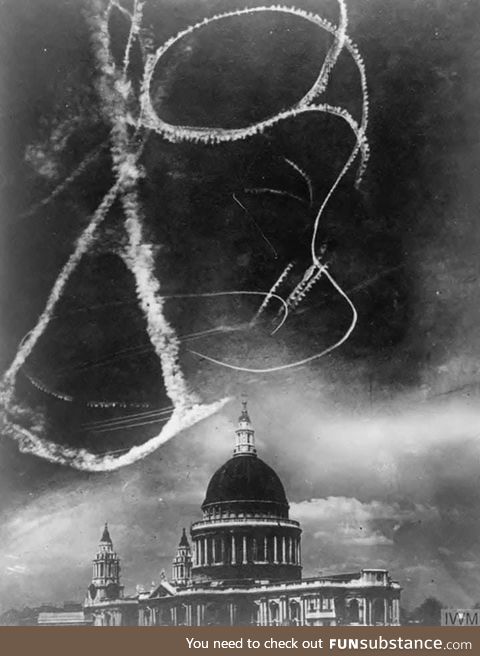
[(460, 617)]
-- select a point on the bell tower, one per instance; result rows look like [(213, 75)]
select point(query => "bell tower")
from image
[(106, 572), (182, 563)]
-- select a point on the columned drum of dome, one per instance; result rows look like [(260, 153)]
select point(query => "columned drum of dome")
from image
[(245, 533)]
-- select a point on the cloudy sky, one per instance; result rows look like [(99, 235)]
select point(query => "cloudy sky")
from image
[(377, 444)]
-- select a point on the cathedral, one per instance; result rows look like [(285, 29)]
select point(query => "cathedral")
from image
[(242, 565)]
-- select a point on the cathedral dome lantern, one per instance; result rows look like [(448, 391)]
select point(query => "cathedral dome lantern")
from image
[(245, 435), (246, 532)]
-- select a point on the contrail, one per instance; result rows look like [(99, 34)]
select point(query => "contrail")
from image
[(306, 178), (89, 158), (297, 363), (116, 95), (275, 192)]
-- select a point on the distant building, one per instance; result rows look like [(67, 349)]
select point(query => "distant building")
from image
[(71, 613), (244, 565), (63, 618)]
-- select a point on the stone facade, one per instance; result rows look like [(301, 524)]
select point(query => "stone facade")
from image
[(244, 567)]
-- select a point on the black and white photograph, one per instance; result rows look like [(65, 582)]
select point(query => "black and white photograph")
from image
[(240, 312)]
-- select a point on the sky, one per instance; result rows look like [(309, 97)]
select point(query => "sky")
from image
[(377, 444)]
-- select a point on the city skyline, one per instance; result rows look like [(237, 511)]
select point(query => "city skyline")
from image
[(376, 440)]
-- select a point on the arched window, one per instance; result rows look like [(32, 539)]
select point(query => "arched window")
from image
[(294, 612), (274, 613)]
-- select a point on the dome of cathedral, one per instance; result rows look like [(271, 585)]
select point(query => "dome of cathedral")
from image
[(245, 533), (245, 478)]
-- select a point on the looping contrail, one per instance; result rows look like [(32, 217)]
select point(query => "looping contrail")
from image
[(297, 363), (116, 94)]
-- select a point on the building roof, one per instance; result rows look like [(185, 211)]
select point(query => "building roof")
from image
[(184, 540), (245, 478), (106, 535)]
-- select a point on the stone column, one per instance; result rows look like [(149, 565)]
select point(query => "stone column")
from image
[(214, 550), (244, 550), (234, 557), (361, 611), (275, 549), (284, 547), (283, 611), (396, 611), (265, 549), (263, 612), (205, 550)]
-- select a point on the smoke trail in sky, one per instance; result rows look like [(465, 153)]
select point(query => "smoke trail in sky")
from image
[(297, 363), (127, 139), (308, 180)]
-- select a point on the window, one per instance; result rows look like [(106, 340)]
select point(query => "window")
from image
[(326, 603), (294, 611)]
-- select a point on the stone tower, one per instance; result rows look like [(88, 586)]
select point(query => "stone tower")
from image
[(182, 563), (106, 572)]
